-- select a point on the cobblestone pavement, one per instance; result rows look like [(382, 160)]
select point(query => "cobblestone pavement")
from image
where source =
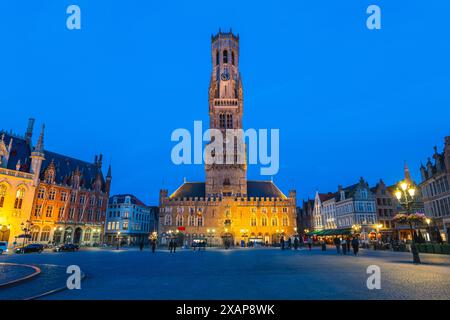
[(249, 273)]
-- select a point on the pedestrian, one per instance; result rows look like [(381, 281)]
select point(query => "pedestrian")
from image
[(337, 243), (344, 246), (324, 245), (282, 242), (289, 243), (141, 245), (355, 245), (349, 243), (174, 246), (296, 243), (310, 242), (170, 245), (153, 245)]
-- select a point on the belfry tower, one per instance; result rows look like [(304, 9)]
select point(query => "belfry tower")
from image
[(228, 178)]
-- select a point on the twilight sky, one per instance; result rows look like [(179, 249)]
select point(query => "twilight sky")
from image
[(348, 101)]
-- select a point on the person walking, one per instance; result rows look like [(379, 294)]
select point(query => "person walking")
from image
[(289, 243), (282, 242), (153, 245), (349, 244), (337, 243), (355, 245), (310, 242), (296, 243), (344, 246), (171, 245), (174, 246)]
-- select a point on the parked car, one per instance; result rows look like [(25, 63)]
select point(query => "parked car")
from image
[(3, 247), (33, 247), (66, 247)]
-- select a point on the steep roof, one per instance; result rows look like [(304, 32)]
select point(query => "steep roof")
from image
[(65, 166), (254, 189), (20, 150), (121, 199)]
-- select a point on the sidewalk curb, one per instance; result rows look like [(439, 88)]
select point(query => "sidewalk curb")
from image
[(36, 272)]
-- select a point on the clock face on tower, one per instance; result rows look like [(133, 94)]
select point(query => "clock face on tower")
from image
[(225, 76)]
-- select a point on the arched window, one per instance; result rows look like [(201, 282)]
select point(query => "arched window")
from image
[(285, 221), (232, 58), (226, 182), (191, 221), (179, 220), (45, 234), (264, 221), (19, 198), (168, 220), (225, 56), (2, 195), (87, 234), (222, 120), (41, 193), (52, 194), (229, 121), (274, 221), (35, 233), (253, 221), (217, 57)]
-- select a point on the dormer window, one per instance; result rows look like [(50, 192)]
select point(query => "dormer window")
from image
[(127, 199), (342, 195)]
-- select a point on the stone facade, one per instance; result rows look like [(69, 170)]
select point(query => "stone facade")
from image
[(227, 208), (435, 189)]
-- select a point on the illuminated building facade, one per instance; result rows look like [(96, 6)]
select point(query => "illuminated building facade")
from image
[(62, 199), (17, 184), (227, 208)]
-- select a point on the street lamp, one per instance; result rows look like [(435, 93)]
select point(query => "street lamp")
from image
[(118, 240), (405, 196), (428, 221)]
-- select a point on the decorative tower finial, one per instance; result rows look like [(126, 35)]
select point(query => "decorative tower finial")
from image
[(29, 133), (40, 144), (407, 173)]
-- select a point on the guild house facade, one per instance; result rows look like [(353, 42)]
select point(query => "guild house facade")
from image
[(227, 208)]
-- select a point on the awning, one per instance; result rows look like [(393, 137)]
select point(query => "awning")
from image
[(331, 232)]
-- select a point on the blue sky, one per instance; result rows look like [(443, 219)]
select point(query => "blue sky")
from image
[(348, 101)]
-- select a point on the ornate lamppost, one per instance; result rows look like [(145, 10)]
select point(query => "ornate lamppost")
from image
[(405, 194)]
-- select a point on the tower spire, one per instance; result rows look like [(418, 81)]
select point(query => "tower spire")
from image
[(407, 173), (40, 144)]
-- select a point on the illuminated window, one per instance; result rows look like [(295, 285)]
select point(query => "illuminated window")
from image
[(168, 220), (35, 233), (52, 194), (19, 198), (253, 221), (274, 221), (41, 193), (285, 221), (2, 195), (87, 234), (264, 221), (37, 210), (63, 196), (60, 212), (45, 234), (49, 212), (179, 220)]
